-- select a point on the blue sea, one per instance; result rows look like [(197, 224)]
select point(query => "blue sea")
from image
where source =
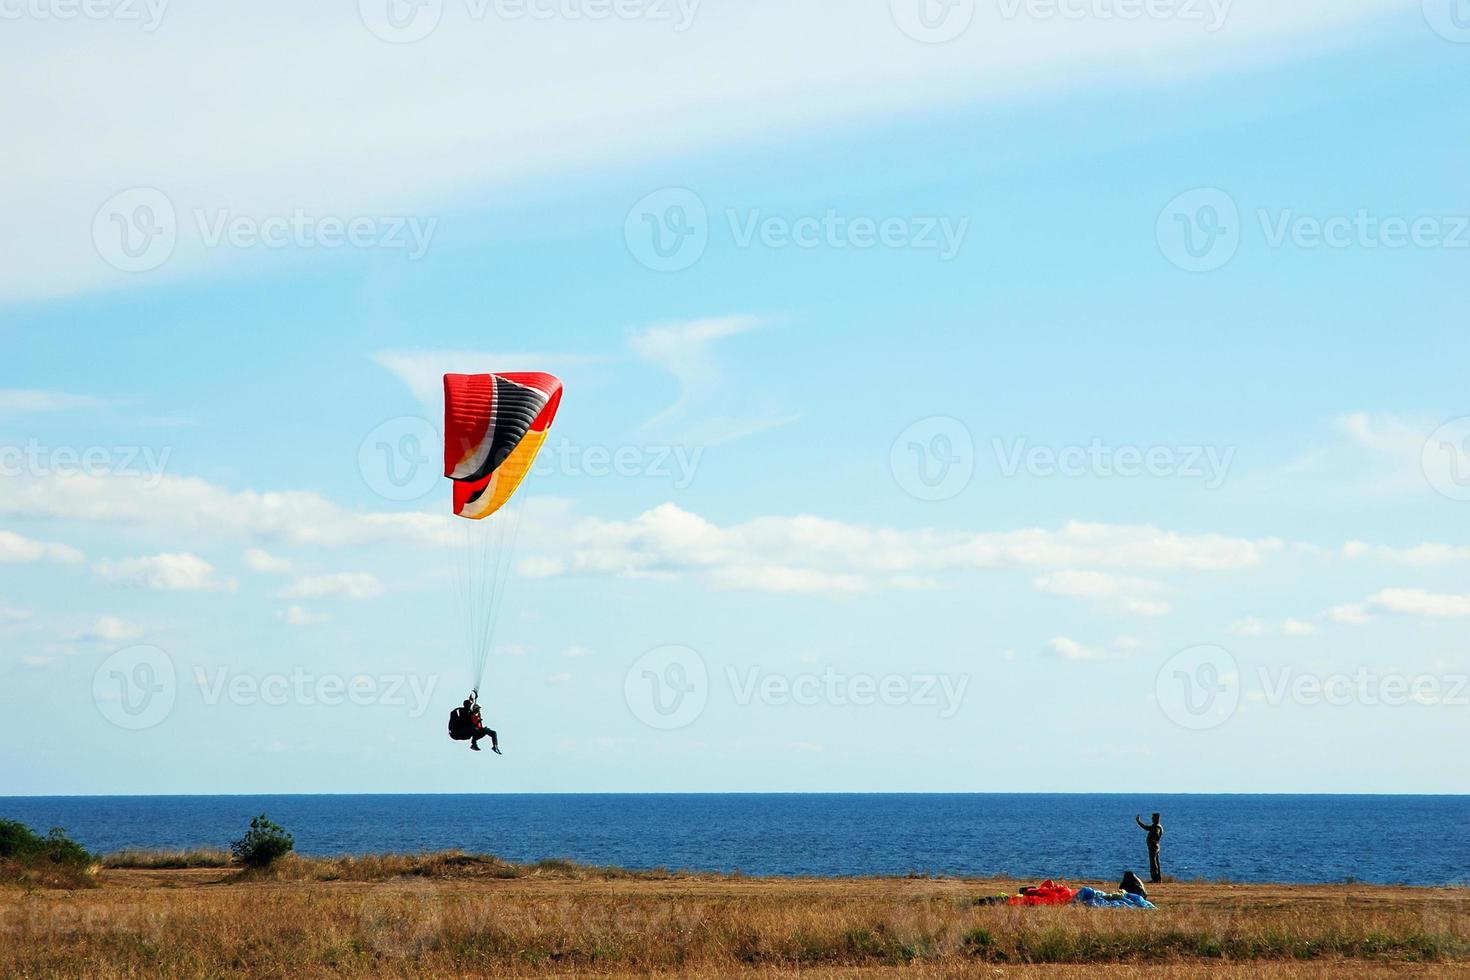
[(1421, 840)]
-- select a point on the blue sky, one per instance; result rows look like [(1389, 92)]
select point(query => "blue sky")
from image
[(1241, 616)]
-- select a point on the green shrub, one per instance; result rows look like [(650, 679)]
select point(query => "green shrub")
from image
[(19, 843), (262, 844)]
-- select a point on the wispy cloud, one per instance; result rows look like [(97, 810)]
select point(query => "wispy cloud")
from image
[(1252, 626), (816, 555), (107, 629), (1069, 649), (1421, 554), (26, 401), (1417, 602), (170, 572), (299, 616), (357, 586), (1125, 593), (17, 549), (202, 509), (708, 410), (260, 560), (644, 91)]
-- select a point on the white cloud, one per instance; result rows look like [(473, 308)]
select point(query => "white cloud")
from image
[(1371, 457), (706, 412), (1248, 627), (1416, 602), (259, 560), (108, 629), (1123, 592), (1419, 555), (357, 586), (1350, 614), (177, 572), (1069, 649), (25, 401), (682, 349), (1257, 627), (188, 504), (561, 678), (813, 554), (15, 549), (385, 129), (576, 652), (299, 616), (9, 614)]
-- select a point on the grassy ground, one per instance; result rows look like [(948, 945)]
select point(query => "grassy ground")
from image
[(456, 916)]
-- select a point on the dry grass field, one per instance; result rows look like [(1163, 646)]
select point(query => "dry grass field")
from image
[(457, 916)]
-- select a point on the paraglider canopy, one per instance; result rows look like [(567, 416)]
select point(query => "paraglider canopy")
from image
[(494, 425)]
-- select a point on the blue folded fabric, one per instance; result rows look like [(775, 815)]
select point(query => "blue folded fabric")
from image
[(1111, 900)]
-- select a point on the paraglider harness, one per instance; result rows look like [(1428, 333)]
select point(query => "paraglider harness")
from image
[(462, 725)]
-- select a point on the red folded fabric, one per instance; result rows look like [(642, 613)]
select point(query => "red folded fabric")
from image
[(1046, 893)]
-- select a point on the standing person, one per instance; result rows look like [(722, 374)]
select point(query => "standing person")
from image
[(1155, 834)]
